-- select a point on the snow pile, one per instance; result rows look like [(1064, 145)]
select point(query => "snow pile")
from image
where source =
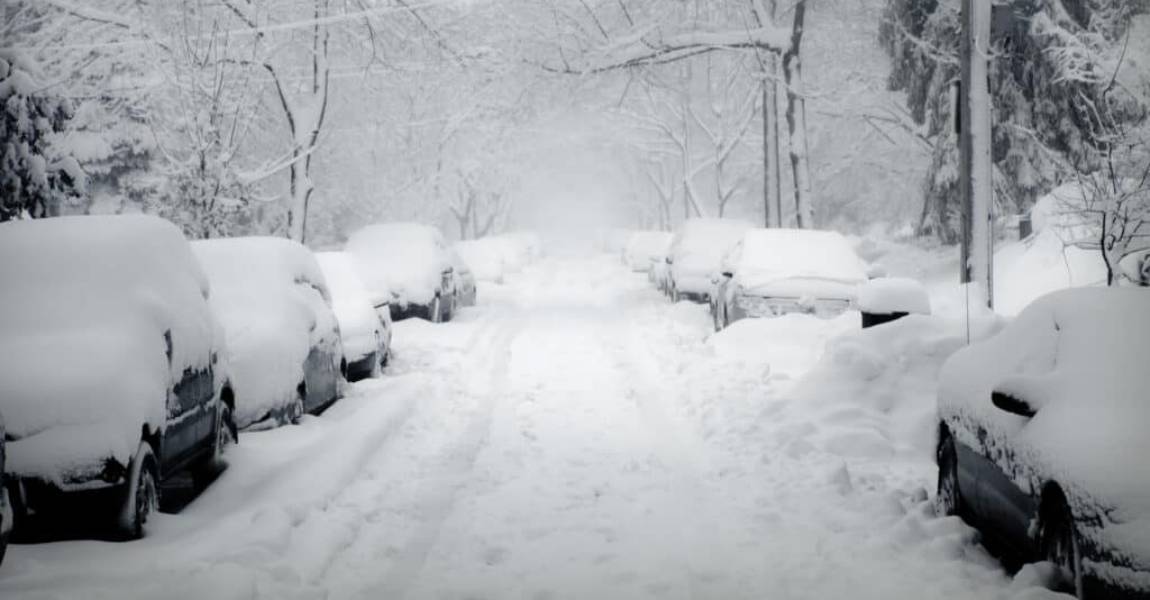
[(86, 304), (1079, 358), (484, 257), (643, 247), (273, 301), (409, 259), (889, 295), (771, 255), (359, 325), (698, 249)]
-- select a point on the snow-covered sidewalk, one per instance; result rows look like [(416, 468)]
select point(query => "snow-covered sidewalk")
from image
[(577, 436)]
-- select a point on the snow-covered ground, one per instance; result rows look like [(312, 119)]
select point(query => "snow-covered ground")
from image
[(575, 435)]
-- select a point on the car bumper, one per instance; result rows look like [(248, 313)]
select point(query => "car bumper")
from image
[(767, 306)]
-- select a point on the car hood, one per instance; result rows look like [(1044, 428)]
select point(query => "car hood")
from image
[(798, 287)]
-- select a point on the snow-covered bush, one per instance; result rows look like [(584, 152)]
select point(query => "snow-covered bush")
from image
[(35, 179)]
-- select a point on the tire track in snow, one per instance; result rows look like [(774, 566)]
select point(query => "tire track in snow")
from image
[(483, 380)]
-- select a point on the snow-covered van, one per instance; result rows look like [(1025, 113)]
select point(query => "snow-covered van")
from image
[(1043, 438), (114, 369), (412, 262), (283, 337)]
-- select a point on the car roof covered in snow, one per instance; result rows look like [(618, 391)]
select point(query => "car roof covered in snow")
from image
[(1079, 356), (86, 303), (406, 258), (773, 254), (705, 240), (260, 261), (646, 245)]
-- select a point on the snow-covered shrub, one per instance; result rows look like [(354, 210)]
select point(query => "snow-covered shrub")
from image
[(35, 179)]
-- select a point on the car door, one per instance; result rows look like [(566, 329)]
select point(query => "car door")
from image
[(189, 409), (321, 367)]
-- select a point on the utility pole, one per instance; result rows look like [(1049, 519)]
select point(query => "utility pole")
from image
[(975, 167)]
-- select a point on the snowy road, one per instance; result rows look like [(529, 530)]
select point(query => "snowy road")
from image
[(574, 436)]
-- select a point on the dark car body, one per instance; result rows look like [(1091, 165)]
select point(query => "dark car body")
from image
[(74, 431), (1042, 428)]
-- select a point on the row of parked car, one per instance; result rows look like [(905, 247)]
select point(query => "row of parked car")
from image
[(132, 354), (743, 271), (1041, 434)]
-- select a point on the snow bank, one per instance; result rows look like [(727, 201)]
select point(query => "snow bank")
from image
[(273, 301), (889, 295), (408, 259), (85, 303), (1079, 357), (359, 325), (646, 246), (484, 257)]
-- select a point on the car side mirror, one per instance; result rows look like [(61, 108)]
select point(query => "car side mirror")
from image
[(1012, 405)]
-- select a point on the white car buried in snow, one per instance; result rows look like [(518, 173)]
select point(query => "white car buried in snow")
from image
[(644, 248), (283, 338), (696, 253), (412, 262), (365, 333), (1043, 439), (114, 373), (771, 272)]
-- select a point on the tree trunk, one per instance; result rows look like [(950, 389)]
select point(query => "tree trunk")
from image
[(796, 122)]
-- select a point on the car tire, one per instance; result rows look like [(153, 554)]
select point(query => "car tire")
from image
[(1058, 543), (226, 435), (296, 410), (948, 496), (433, 310), (141, 495)]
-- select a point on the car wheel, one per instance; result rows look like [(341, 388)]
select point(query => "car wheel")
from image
[(1058, 542), (434, 310), (142, 496), (948, 497), (295, 411)]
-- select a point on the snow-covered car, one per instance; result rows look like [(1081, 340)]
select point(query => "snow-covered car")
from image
[(412, 262), (696, 253), (463, 281), (283, 337), (644, 248), (115, 372), (659, 273), (365, 333), (771, 272), (5, 500), (484, 258), (1043, 438)]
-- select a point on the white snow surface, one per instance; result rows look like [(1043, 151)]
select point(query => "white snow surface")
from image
[(406, 258), (84, 306), (1079, 357), (578, 436), (273, 301), (697, 250), (359, 326), (887, 295)]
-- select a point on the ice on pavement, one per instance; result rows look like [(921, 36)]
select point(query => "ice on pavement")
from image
[(578, 436)]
